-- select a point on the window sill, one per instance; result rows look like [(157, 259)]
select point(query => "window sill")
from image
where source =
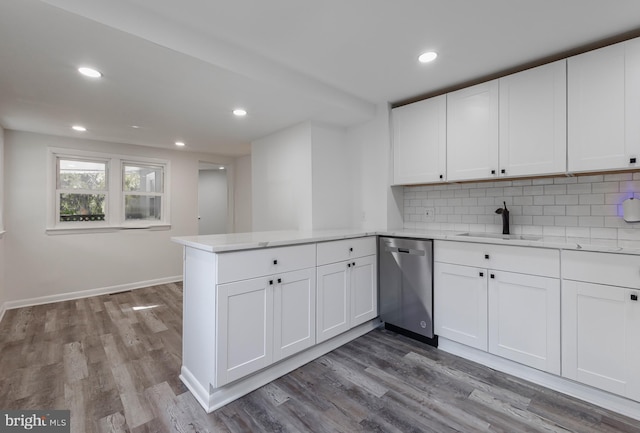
[(103, 229)]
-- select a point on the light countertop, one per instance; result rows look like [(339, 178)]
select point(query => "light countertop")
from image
[(252, 240)]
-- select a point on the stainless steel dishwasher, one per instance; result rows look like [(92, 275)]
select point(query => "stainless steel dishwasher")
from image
[(406, 287)]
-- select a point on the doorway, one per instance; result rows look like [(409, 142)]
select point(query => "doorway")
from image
[(212, 198)]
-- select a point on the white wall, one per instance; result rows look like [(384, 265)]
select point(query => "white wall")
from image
[(212, 201), (331, 179), (301, 179), (375, 205), (242, 194), (281, 180), (42, 265)]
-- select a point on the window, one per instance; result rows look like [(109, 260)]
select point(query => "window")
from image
[(81, 191), (107, 192), (142, 187)]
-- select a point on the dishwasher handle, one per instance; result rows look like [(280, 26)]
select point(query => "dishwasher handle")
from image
[(409, 251)]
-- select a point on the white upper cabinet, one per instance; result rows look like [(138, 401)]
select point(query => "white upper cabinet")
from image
[(604, 108), (472, 132), (533, 121), (420, 141)]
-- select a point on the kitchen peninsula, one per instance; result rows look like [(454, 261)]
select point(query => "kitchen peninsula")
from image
[(259, 305)]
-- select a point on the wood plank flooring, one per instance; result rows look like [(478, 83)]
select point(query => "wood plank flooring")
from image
[(114, 361)]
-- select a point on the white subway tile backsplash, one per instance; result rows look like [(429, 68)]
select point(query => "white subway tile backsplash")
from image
[(567, 199), (579, 210), (472, 201), (604, 210), (566, 221), (579, 188), (495, 192), (523, 200), (543, 200), (565, 180), (578, 232), (554, 231), (591, 221), (616, 198), (590, 179), (629, 186), (555, 189), (478, 192), (513, 191), (605, 187), (618, 177), (542, 181), (533, 190), (532, 210), (521, 182), (543, 220), (581, 206), (604, 233), (554, 210), (591, 199)]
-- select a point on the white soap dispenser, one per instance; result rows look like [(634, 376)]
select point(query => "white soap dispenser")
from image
[(631, 210)]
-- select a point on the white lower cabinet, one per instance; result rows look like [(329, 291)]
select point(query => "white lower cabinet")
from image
[(524, 319), (460, 304), (363, 284), (294, 313), (510, 314), (244, 335), (601, 323), (263, 320), (333, 300), (347, 295)]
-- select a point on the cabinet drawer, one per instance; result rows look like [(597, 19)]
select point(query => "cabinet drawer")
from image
[(241, 265), (337, 251), (610, 269), (524, 260)]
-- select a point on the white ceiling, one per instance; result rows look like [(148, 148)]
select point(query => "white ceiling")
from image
[(178, 68)]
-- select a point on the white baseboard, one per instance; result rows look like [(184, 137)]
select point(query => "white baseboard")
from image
[(69, 296), (589, 394)]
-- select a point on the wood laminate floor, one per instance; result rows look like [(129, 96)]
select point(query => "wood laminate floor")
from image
[(114, 361)]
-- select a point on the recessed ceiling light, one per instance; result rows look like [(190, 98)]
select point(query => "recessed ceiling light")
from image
[(90, 72), (79, 128), (240, 112), (221, 168), (427, 57), (135, 126), (180, 143)]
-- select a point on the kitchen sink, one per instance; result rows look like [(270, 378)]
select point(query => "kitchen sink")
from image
[(501, 236)]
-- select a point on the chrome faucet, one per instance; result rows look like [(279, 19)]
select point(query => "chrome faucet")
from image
[(505, 218)]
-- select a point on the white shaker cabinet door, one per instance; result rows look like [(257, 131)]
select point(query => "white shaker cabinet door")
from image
[(472, 132), (603, 110), (363, 289), (533, 121), (420, 141), (524, 319), (460, 304), (245, 328), (333, 300), (597, 335), (294, 326)]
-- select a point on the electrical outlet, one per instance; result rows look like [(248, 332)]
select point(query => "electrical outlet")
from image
[(430, 214)]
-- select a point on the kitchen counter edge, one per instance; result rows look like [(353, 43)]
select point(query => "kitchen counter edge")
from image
[(253, 240)]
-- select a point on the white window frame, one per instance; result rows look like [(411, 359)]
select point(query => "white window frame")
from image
[(114, 206)]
